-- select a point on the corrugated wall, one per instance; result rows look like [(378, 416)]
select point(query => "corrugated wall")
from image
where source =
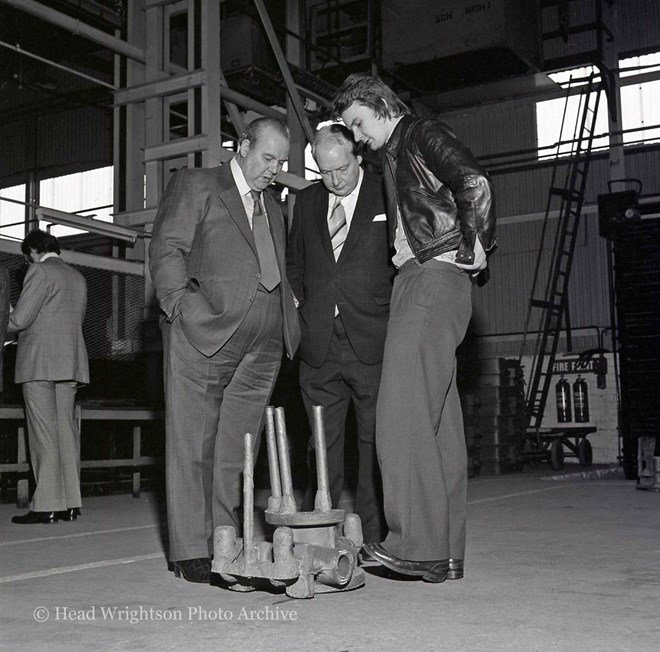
[(60, 143), (74, 140), (495, 129), (13, 148), (638, 22), (521, 195), (526, 192), (501, 306)]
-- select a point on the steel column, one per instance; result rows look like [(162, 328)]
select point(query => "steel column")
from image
[(74, 25), (284, 69)]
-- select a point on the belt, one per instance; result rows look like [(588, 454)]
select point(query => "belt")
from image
[(432, 263), (411, 262)]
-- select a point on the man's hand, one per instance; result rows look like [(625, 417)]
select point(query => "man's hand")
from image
[(479, 258)]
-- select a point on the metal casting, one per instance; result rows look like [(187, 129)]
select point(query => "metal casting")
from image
[(311, 552)]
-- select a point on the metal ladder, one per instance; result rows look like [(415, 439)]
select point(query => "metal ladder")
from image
[(553, 308)]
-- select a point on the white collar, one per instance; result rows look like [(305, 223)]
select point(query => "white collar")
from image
[(239, 177), (352, 196)]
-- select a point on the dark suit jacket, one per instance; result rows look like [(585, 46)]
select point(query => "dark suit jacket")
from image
[(359, 283), (203, 258), (48, 319)]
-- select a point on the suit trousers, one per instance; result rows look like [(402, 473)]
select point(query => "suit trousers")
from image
[(340, 379), (211, 402), (54, 444), (419, 428)]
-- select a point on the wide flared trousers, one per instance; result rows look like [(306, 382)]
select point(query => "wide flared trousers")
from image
[(420, 439)]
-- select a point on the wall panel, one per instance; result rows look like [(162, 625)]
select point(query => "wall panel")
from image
[(501, 306), (526, 191), (12, 154), (494, 129), (74, 140), (637, 21)]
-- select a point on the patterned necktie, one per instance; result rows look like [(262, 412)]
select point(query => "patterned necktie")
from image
[(270, 274), (337, 227)]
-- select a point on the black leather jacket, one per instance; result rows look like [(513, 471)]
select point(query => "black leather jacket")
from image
[(445, 196)]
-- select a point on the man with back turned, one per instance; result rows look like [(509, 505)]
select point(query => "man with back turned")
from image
[(51, 363)]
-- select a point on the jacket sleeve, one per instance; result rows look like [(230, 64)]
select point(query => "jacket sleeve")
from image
[(454, 165), (295, 255), (31, 300), (178, 214)]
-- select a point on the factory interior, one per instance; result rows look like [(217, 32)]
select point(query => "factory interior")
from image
[(101, 101)]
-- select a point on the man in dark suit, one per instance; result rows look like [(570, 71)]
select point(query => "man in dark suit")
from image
[(217, 263), (339, 267), (51, 361)]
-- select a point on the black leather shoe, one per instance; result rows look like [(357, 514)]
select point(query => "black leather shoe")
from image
[(430, 571), (35, 517), (70, 514), (193, 570), (455, 569)]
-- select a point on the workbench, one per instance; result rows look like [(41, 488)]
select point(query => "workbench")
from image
[(85, 412)]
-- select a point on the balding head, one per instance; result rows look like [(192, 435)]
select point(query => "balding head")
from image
[(335, 153)]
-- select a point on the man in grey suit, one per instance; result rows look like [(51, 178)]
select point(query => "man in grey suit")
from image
[(217, 263), (51, 361), (338, 262)]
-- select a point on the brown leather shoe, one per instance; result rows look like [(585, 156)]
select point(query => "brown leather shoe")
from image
[(455, 569), (430, 571), (193, 570), (364, 557)]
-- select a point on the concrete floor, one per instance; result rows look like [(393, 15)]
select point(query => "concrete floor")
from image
[(569, 562)]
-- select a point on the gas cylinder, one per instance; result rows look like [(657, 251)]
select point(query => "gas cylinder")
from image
[(581, 400), (563, 390)]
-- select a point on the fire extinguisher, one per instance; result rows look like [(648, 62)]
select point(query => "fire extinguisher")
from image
[(581, 400), (563, 390)]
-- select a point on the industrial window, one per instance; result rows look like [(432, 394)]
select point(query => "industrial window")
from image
[(87, 193), (639, 104), (12, 212), (554, 129)]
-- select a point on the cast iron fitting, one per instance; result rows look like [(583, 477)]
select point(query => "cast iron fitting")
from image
[(332, 566)]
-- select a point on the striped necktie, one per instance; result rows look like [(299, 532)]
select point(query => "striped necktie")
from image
[(337, 227), (270, 274)]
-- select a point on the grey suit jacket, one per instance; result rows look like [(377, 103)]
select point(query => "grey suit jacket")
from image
[(48, 318), (203, 259)]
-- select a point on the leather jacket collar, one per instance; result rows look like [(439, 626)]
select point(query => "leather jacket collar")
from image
[(395, 142)]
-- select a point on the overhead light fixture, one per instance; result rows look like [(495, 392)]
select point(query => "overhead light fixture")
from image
[(87, 224)]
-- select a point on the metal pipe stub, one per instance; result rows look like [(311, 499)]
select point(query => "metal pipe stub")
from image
[(275, 498), (322, 501)]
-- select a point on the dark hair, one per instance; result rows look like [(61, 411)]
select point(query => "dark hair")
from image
[(370, 91), (41, 242), (257, 127), (335, 133)]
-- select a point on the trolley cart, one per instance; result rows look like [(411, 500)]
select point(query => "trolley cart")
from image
[(554, 444)]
